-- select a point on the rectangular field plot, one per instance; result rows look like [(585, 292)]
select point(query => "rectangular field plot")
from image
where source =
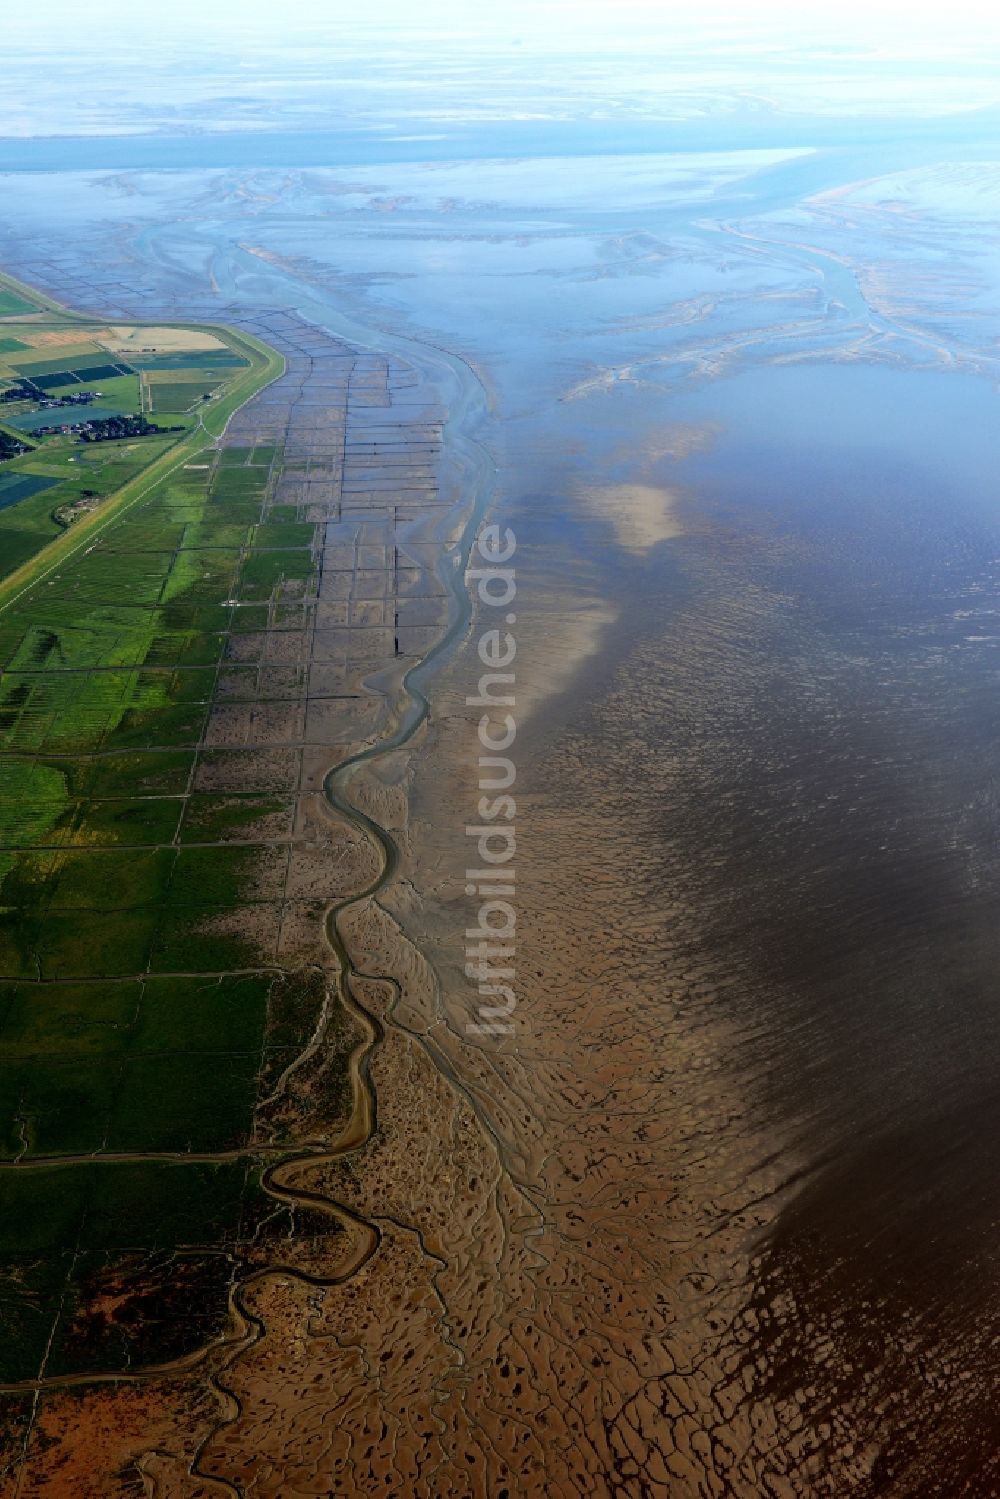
[(202, 574), (205, 1105), (80, 361), (109, 879), (34, 801), (79, 944), (114, 822), (18, 546), (201, 359), (52, 380), (138, 580), (61, 1105), (180, 396), (210, 1015), (91, 372), (63, 354), (88, 375), (17, 487), (236, 819), (139, 773), (158, 1064), (67, 1020), (263, 572), (215, 939), (30, 421)]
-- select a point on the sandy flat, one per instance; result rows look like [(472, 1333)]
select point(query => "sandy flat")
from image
[(641, 515), (124, 340)]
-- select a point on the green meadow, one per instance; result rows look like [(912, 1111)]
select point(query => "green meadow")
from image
[(142, 998), (12, 303)]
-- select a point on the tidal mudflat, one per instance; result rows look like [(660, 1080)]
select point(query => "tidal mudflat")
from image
[(716, 1216)]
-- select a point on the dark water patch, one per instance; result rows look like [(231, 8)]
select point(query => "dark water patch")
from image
[(800, 745), (17, 487), (833, 705)]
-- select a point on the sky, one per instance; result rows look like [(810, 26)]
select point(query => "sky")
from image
[(542, 23), (197, 65)]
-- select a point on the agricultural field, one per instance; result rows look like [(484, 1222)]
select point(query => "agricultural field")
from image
[(179, 390), (176, 379), (141, 885)]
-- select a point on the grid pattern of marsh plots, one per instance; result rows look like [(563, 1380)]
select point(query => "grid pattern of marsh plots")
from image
[(170, 702), (207, 662), (360, 454), (312, 567)]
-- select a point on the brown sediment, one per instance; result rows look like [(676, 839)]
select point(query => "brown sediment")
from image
[(117, 1440), (534, 1200)]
